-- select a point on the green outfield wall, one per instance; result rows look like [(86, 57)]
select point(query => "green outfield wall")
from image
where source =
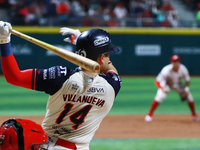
[(142, 51)]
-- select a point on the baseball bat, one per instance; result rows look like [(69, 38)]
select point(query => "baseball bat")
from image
[(74, 58)]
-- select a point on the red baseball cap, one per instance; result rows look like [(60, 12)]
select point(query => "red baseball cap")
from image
[(175, 58)]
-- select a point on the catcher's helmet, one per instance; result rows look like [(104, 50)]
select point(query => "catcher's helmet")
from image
[(95, 42), (175, 58), (21, 134)]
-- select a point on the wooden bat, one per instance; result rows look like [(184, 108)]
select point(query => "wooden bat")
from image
[(74, 58)]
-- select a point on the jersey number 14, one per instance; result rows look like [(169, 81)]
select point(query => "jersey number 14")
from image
[(77, 118)]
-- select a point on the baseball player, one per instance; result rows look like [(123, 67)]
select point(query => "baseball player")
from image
[(174, 76), (78, 99)]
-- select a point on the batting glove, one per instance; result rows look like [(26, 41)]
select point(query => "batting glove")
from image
[(69, 31), (4, 32)]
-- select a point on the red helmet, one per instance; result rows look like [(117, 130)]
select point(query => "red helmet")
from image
[(175, 58), (21, 134)]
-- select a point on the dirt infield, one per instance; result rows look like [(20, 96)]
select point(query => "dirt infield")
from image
[(134, 126)]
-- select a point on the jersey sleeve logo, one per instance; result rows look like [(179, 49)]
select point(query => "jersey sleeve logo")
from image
[(62, 70), (52, 73), (115, 77), (45, 74)]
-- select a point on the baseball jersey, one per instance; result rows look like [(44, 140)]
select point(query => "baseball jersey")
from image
[(176, 77), (77, 103)]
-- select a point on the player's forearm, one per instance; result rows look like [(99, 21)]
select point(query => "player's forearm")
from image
[(157, 83), (162, 85), (11, 70), (111, 68)]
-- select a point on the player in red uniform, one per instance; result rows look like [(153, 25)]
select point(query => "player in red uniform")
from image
[(171, 77)]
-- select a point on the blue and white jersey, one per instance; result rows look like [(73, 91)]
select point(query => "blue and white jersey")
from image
[(77, 103)]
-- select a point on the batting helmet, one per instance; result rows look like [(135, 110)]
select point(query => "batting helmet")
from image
[(95, 42), (21, 134), (175, 58)]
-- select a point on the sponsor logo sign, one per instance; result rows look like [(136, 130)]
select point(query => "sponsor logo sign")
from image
[(147, 50), (186, 50)]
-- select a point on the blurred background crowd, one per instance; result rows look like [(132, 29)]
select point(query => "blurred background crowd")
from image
[(108, 13)]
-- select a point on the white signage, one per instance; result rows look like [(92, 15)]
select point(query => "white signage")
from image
[(21, 49), (186, 50), (67, 48), (147, 50)]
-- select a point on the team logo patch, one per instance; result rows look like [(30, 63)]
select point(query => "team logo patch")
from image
[(75, 86), (90, 80), (101, 41)]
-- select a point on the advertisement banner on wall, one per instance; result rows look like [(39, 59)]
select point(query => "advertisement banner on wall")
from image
[(140, 54), (147, 50)]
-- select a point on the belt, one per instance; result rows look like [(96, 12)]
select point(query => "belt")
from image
[(66, 144)]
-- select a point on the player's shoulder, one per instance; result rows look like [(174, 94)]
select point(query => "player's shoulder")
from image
[(183, 67), (113, 79), (54, 76), (110, 75)]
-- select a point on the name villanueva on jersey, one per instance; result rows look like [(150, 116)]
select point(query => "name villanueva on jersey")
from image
[(86, 98)]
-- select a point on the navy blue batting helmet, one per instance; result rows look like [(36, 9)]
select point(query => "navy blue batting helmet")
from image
[(95, 42)]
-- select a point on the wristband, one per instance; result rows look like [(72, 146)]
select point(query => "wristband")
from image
[(6, 49)]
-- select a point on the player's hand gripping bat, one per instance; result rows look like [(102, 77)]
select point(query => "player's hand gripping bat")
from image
[(74, 58)]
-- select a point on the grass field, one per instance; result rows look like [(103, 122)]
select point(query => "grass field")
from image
[(146, 144), (135, 97)]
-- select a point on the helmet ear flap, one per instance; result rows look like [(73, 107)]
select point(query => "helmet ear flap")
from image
[(8, 138), (13, 140)]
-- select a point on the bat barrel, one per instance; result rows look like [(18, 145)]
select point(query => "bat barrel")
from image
[(76, 59)]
